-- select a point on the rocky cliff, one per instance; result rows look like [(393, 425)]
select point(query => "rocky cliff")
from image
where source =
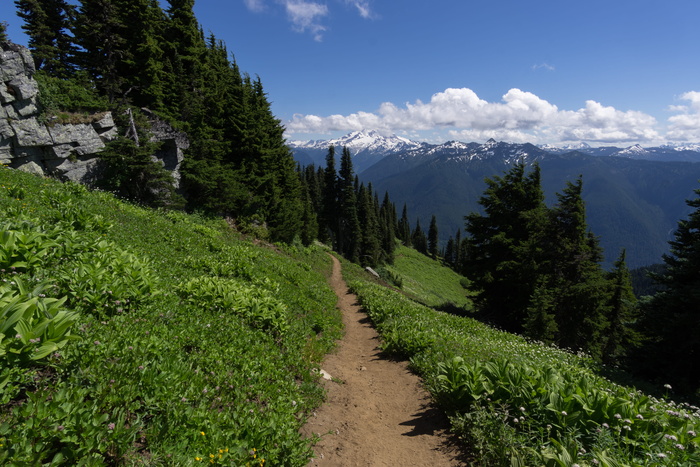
[(67, 151)]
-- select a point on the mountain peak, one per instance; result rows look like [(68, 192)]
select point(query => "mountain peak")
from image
[(361, 140)]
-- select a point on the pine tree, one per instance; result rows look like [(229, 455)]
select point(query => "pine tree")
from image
[(576, 275), (419, 240), (328, 219), (387, 222), (404, 227), (449, 254), (99, 32), (141, 66), (309, 231), (458, 252), (349, 231), (48, 24), (3, 31), (505, 246), (184, 58), (433, 238), (540, 323), (672, 319), (370, 246), (620, 336)]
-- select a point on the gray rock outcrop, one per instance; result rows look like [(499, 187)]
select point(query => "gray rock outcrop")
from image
[(65, 150)]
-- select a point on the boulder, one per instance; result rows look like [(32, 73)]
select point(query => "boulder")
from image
[(31, 167)]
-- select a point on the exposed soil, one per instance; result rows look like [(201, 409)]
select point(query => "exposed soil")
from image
[(376, 412)]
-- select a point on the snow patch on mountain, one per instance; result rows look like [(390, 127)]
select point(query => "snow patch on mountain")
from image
[(360, 141)]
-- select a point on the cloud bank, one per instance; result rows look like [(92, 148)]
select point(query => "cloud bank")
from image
[(520, 116)]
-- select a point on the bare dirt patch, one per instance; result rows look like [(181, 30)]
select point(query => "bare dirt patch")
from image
[(376, 412)]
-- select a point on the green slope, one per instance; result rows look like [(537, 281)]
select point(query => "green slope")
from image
[(132, 336)]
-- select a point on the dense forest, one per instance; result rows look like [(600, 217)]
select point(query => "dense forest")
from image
[(535, 270)]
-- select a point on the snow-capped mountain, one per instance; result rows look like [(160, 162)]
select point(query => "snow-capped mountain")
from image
[(582, 146), (358, 141), (366, 147), (369, 147)]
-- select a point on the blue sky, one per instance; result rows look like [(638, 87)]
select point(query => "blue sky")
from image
[(605, 72)]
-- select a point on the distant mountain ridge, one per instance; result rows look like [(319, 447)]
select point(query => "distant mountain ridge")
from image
[(634, 196), (367, 148)]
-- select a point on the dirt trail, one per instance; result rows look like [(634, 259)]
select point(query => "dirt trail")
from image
[(376, 413)]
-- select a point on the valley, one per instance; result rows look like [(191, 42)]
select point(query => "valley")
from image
[(634, 198)]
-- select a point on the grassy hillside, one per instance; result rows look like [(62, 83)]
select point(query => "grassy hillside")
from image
[(138, 337), (427, 280)]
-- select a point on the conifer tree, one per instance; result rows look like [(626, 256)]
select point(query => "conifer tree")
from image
[(184, 56), (449, 254), (48, 24), (99, 32), (620, 335), (458, 251), (672, 319), (328, 219), (540, 323), (576, 274), (419, 240), (387, 221), (141, 64), (433, 238), (3, 31), (349, 231), (309, 230), (404, 227), (505, 245), (370, 247)]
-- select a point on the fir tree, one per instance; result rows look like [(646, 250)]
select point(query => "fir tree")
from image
[(309, 231), (505, 246), (419, 240), (458, 252), (99, 32), (404, 227), (48, 24), (449, 254), (576, 275), (620, 336), (370, 247), (540, 323), (387, 222), (349, 231), (672, 318), (328, 219), (141, 66), (433, 238)]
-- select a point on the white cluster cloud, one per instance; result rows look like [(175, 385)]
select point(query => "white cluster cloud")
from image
[(686, 126), (308, 16), (520, 116), (305, 16)]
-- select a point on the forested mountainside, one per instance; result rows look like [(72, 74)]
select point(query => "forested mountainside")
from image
[(634, 196)]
